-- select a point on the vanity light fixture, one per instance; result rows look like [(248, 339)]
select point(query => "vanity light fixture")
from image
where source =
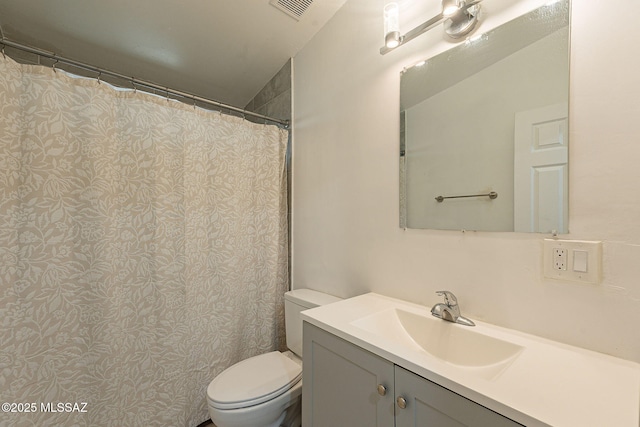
[(460, 17)]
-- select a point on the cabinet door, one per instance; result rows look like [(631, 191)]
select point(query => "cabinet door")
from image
[(430, 405), (340, 383)]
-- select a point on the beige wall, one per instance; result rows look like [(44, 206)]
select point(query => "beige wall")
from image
[(346, 239)]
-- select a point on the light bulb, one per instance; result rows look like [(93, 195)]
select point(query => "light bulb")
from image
[(450, 7), (391, 25)]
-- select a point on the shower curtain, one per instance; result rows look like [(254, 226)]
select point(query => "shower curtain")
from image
[(142, 251)]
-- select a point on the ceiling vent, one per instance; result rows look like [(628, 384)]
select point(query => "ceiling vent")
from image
[(293, 8)]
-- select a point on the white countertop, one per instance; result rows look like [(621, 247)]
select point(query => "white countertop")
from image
[(548, 384)]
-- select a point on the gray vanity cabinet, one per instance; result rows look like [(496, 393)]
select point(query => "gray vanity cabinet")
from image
[(344, 385), (347, 386)]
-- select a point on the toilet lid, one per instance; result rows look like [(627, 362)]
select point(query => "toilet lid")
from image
[(254, 381)]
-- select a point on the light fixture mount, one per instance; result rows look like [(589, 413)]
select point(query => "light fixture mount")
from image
[(392, 39), (462, 22)]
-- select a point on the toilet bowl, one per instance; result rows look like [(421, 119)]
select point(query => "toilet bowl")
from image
[(266, 390)]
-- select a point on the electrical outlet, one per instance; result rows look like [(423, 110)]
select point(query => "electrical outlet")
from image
[(560, 259), (572, 260)]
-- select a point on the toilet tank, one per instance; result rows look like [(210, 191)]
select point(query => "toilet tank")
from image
[(295, 302)]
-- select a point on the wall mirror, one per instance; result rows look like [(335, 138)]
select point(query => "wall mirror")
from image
[(484, 130)]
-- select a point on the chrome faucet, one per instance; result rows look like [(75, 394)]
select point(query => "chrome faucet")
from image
[(450, 310)]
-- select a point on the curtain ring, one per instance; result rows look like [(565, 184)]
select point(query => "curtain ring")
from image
[(99, 75), (55, 70), (133, 85), (194, 103), (3, 55)]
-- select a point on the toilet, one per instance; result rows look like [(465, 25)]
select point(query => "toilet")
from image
[(266, 390)]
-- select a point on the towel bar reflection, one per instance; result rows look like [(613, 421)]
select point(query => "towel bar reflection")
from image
[(492, 195)]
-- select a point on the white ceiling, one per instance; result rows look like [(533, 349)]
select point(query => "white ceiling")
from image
[(225, 50)]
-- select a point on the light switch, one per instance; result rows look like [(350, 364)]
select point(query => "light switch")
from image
[(580, 261)]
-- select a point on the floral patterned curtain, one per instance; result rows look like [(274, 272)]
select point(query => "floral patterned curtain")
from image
[(142, 251)]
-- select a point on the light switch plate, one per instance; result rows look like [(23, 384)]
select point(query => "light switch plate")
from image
[(582, 262)]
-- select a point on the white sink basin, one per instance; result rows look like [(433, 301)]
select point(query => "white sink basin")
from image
[(450, 342)]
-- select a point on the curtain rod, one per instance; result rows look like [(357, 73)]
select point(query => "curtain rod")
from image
[(137, 82)]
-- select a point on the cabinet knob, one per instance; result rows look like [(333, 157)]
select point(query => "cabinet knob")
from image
[(382, 390), (402, 403)]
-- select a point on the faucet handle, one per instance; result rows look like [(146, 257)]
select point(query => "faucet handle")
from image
[(449, 298)]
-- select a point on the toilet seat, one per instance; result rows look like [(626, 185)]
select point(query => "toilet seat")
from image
[(254, 381)]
